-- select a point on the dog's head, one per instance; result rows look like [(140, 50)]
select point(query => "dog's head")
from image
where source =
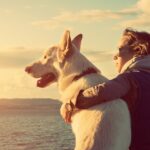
[(49, 67)]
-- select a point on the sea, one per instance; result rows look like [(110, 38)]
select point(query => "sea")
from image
[(33, 124)]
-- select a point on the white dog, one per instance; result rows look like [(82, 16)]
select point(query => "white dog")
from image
[(102, 127)]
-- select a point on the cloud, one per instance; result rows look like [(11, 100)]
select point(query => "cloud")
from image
[(87, 15), (144, 5), (99, 56), (142, 19), (84, 16), (132, 11), (27, 7), (47, 24), (18, 57), (6, 11), (139, 15)]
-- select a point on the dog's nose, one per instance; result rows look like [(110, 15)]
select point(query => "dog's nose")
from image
[(28, 69)]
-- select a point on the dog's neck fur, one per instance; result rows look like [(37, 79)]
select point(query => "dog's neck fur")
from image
[(71, 92), (74, 66)]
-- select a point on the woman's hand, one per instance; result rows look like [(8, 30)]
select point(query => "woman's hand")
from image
[(84, 100), (65, 113)]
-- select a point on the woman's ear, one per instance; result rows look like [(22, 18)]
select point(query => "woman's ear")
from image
[(141, 48)]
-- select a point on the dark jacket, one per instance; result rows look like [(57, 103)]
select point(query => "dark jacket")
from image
[(133, 86), (140, 115)]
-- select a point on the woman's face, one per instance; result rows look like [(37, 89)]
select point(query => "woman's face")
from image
[(124, 54)]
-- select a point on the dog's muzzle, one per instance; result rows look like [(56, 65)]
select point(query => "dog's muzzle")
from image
[(46, 80)]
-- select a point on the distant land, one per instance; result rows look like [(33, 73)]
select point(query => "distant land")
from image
[(29, 105), (28, 99)]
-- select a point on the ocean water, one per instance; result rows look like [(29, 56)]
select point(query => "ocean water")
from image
[(33, 124)]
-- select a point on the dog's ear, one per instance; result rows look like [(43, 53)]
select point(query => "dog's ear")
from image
[(77, 41), (65, 46)]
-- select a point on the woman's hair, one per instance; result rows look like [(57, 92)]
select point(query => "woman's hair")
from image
[(139, 42)]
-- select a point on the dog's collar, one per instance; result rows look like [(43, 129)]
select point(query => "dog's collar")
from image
[(86, 72)]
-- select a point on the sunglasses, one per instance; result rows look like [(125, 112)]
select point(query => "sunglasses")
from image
[(115, 57), (120, 53)]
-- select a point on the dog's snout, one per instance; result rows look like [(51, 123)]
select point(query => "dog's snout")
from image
[(28, 69)]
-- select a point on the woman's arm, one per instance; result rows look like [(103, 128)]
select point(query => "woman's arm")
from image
[(112, 89)]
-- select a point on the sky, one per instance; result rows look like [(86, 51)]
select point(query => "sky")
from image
[(29, 27)]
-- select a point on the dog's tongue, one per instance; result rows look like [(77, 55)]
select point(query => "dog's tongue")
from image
[(45, 80)]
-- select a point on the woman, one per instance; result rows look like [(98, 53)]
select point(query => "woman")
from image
[(132, 85)]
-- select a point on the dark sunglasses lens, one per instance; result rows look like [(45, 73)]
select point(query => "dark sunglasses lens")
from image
[(116, 56)]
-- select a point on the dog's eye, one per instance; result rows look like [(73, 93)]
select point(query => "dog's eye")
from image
[(45, 57)]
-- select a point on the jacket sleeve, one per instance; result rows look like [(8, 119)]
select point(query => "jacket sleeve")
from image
[(110, 90)]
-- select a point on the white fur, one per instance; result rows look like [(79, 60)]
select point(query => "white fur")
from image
[(102, 127)]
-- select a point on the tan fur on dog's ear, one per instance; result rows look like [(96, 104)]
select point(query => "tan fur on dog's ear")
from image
[(65, 46), (77, 41)]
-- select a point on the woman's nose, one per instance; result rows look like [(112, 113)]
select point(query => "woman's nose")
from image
[(28, 69)]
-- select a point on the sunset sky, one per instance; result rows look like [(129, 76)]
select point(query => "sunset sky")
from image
[(28, 27)]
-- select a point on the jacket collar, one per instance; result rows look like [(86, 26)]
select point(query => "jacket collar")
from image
[(137, 63)]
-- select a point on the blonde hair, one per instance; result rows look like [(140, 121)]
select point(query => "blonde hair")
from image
[(139, 42)]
